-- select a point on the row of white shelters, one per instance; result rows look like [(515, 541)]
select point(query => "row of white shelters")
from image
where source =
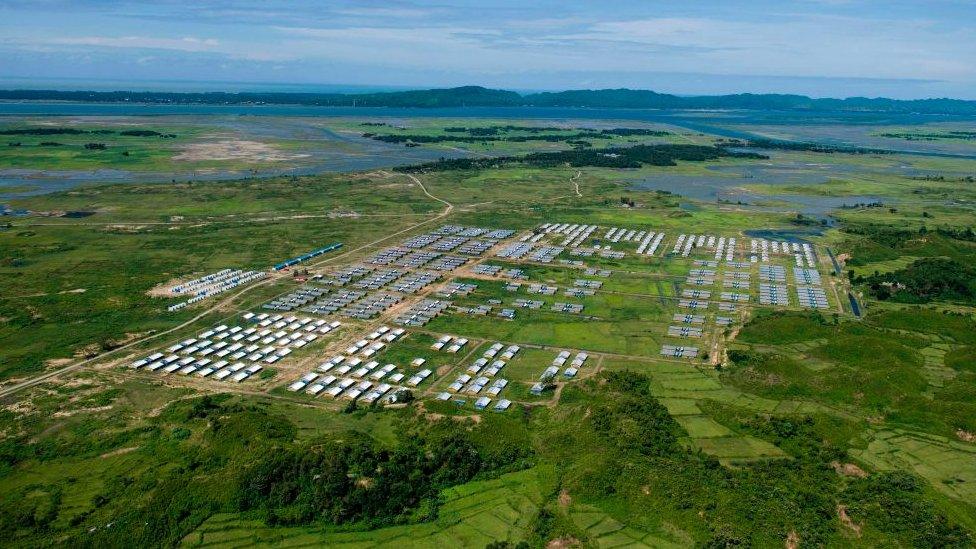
[(213, 284), (236, 351)]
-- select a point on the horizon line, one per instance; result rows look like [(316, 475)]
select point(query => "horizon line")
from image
[(362, 89)]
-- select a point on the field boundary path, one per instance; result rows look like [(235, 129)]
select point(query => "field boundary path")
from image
[(575, 181)]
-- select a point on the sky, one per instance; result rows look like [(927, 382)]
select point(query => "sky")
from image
[(822, 48)]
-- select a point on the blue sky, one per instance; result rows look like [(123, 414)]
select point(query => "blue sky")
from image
[(817, 47)]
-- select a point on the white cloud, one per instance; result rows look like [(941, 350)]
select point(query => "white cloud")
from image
[(395, 13), (187, 44), (386, 36), (800, 46), (464, 43)]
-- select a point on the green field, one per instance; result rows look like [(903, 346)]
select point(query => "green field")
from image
[(137, 144), (787, 422)]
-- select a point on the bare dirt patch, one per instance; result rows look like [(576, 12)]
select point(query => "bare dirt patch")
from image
[(20, 408), (845, 519), (563, 543), (127, 338), (58, 362), (338, 214), (966, 436), (159, 409), (848, 469), (166, 288), (792, 540), (235, 149), (124, 229), (78, 382), (565, 499), (69, 413), (119, 452)]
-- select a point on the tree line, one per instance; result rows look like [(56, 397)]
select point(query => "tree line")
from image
[(477, 96), (76, 131), (612, 157)]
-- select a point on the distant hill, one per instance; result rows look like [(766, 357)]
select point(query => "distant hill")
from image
[(477, 96), (473, 96), (645, 99)]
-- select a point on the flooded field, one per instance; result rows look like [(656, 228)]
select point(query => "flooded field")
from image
[(729, 190), (233, 148), (896, 135), (260, 141)]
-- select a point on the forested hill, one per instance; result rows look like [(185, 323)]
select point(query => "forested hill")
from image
[(626, 98), (472, 96), (477, 96)]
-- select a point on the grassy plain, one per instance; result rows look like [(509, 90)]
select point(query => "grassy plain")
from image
[(804, 414), (140, 145)]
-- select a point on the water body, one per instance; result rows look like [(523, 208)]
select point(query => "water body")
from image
[(855, 308), (715, 187), (729, 190), (367, 154), (699, 187), (703, 119), (326, 152), (717, 122), (779, 172), (834, 261), (808, 205)]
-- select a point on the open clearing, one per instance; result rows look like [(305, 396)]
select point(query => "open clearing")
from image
[(235, 149)]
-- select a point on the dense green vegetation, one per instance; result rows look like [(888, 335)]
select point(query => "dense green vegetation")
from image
[(860, 367), (624, 455), (870, 243), (813, 428), (959, 326), (930, 136), (895, 502), (925, 280), (778, 144), (217, 454), (614, 157), (454, 97), (503, 133), (940, 267), (492, 130), (413, 138), (356, 481), (476, 96), (611, 448), (77, 131)]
